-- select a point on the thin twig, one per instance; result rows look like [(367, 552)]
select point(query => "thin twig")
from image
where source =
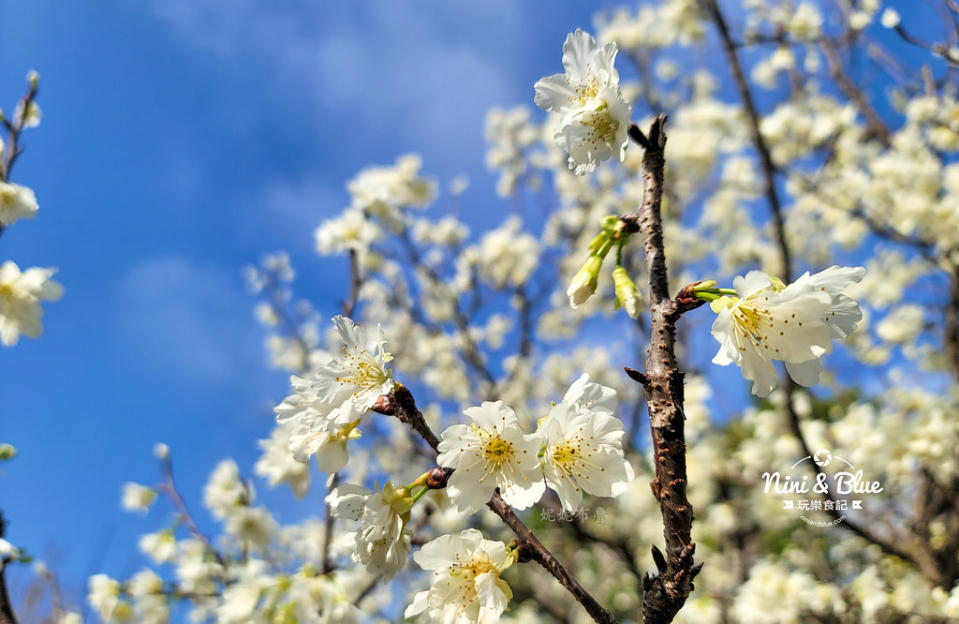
[(14, 128), (169, 487), (752, 117), (875, 126), (470, 351)]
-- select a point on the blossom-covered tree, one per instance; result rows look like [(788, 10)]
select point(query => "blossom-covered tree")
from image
[(713, 186)]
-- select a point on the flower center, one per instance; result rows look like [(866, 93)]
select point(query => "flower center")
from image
[(603, 125), (497, 451), (362, 370), (585, 92), (566, 454), (477, 566)]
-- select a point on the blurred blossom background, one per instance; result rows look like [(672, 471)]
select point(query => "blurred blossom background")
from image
[(180, 142), (185, 139)]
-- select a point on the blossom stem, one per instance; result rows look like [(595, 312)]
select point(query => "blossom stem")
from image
[(711, 294), (420, 494)]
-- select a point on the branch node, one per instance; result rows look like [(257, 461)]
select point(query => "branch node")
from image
[(637, 376)]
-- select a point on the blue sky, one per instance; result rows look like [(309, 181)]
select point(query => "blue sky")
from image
[(181, 140)]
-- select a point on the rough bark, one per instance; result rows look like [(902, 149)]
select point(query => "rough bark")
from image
[(665, 592)]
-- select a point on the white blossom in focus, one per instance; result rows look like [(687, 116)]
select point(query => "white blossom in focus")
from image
[(795, 324), (584, 445), (466, 586), (324, 410), (491, 452), (594, 115), (382, 542), (20, 297)]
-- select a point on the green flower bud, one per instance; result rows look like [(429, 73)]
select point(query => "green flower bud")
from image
[(584, 282), (627, 295), (7, 451)]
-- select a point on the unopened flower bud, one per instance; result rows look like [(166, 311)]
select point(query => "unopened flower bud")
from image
[(584, 282), (33, 78), (161, 451), (627, 295), (437, 478), (524, 551), (384, 405), (598, 242), (7, 451)]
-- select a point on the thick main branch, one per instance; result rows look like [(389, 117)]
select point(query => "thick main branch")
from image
[(664, 593)]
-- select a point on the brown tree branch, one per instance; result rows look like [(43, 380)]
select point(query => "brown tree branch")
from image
[(752, 118), (665, 592), (402, 404), (14, 128), (875, 126)]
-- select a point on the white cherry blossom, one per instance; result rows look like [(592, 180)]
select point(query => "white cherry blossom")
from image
[(137, 497), (16, 202), (385, 191), (491, 452), (20, 297), (594, 116), (795, 324), (584, 445), (382, 541), (276, 465), (466, 586), (324, 411), (351, 230)]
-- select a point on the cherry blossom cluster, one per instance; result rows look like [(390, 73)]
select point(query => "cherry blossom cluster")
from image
[(21, 291), (576, 449), (477, 325)]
